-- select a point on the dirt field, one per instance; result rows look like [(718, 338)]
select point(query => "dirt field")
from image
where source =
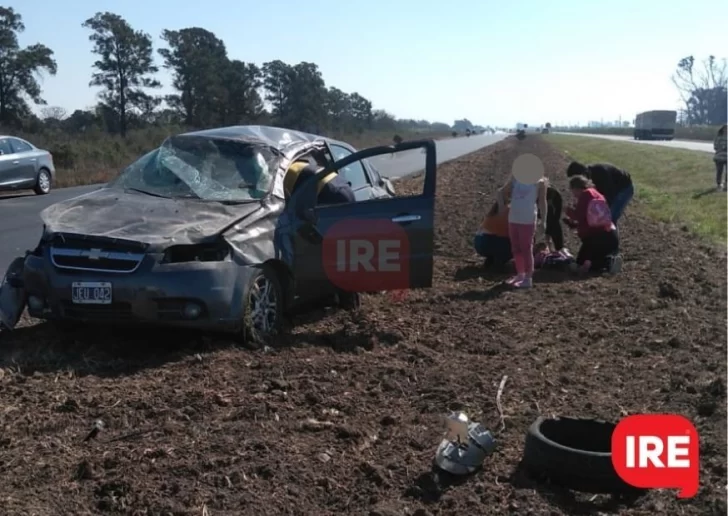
[(345, 418)]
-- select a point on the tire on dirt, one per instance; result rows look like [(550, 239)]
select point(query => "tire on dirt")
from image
[(573, 453), (251, 336)]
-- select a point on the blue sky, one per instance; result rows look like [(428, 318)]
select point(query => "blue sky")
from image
[(492, 62)]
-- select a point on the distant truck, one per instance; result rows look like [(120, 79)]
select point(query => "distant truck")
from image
[(655, 125)]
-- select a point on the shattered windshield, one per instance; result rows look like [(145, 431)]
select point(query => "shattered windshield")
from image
[(209, 169)]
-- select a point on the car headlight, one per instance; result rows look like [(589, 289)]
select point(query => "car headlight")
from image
[(213, 252)]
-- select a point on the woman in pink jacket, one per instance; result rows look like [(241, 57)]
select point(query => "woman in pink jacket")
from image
[(591, 217)]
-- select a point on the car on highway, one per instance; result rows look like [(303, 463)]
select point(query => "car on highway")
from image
[(200, 233), (24, 166)]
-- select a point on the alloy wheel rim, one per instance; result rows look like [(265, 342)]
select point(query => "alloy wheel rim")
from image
[(263, 306), (44, 181)]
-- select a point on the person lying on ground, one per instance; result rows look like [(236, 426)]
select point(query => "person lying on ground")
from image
[(492, 240), (525, 202), (332, 189), (546, 258), (599, 251), (613, 183), (720, 146)]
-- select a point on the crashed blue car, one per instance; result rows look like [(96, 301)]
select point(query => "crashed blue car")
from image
[(201, 233)]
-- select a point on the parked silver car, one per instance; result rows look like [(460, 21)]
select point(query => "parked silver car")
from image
[(25, 166)]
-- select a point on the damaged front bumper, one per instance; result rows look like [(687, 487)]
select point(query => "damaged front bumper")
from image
[(200, 295), (12, 295)]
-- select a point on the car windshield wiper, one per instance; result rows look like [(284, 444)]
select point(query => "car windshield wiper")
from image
[(139, 190)]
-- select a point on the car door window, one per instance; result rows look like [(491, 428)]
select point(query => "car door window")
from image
[(19, 145), (5, 147), (353, 173)]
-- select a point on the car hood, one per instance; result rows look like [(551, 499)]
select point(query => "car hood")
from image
[(114, 213)]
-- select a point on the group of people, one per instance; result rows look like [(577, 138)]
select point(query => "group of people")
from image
[(508, 232)]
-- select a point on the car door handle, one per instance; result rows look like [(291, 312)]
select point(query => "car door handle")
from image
[(400, 219), (16, 162), (32, 159)]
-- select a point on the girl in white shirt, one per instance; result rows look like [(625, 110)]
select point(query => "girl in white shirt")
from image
[(525, 202)]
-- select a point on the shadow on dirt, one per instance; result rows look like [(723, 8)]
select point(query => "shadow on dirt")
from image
[(431, 485), (470, 272), (706, 192), (573, 502), (488, 294), (109, 351)]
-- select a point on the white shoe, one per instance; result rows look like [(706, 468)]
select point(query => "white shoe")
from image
[(615, 267)]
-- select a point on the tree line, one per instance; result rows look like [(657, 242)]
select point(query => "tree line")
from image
[(703, 88), (210, 87)]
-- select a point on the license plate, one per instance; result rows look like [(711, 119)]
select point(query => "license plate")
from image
[(91, 293)]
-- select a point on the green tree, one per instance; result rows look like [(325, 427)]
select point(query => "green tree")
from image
[(242, 102), (361, 112), (297, 94), (703, 89), (198, 60), (338, 108), (124, 67), (20, 68), (277, 80)]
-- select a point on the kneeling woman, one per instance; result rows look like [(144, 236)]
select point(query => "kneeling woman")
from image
[(492, 241), (591, 217)]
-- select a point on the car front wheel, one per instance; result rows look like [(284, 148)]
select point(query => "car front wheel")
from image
[(43, 183), (263, 315)]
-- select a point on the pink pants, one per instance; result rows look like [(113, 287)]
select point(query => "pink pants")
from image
[(522, 246)]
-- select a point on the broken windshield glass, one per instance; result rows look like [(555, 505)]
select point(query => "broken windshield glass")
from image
[(209, 169)]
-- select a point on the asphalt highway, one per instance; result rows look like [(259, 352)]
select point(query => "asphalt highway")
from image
[(675, 144), (20, 224)]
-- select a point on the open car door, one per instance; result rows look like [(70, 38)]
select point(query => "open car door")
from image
[(370, 245)]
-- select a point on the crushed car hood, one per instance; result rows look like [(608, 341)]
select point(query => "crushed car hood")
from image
[(112, 212)]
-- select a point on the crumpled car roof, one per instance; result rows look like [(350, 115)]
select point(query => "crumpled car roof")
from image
[(276, 137)]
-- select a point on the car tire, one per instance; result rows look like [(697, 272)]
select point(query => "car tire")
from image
[(263, 308), (573, 453), (43, 182)]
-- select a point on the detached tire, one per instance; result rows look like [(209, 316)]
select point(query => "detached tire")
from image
[(573, 453), (263, 309)]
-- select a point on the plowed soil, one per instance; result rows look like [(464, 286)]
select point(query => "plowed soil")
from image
[(344, 416)]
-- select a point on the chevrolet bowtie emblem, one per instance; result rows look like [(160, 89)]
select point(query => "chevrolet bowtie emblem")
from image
[(94, 254)]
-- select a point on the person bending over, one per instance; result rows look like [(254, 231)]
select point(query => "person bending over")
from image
[(492, 240), (613, 183), (599, 251)]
